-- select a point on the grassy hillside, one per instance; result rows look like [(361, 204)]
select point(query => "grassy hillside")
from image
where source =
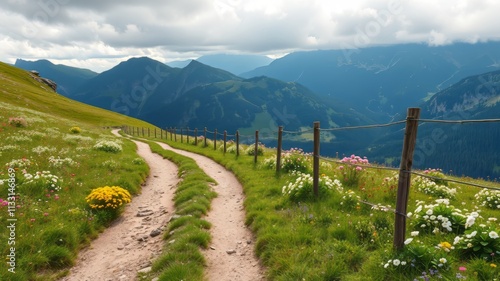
[(18, 88), (347, 232), (54, 152)]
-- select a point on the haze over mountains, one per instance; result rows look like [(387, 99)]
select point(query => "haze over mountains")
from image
[(336, 87)]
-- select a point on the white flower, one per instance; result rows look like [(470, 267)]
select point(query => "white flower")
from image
[(408, 241), (493, 235), (429, 212), (396, 262), (442, 260), (414, 233)]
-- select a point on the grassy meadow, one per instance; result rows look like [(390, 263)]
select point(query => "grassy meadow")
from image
[(54, 152), (347, 233)]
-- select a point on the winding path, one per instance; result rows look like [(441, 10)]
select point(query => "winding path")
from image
[(127, 245), (230, 256)]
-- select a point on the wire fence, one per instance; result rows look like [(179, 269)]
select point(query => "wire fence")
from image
[(411, 122)]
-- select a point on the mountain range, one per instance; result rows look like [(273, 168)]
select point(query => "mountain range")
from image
[(381, 82), (336, 87)]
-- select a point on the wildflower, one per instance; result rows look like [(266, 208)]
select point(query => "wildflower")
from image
[(493, 235), (493, 265), (408, 241), (414, 233), (396, 262), (442, 260)]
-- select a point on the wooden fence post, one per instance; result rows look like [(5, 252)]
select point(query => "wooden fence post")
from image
[(278, 153), (409, 142), (215, 139), (316, 159), (187, 135), (182, 136), (225, 139), (237, 143), (175, 134), (155, 132), (143, 131), (205, 137), (149, 135), (195, 136), (256, 147)]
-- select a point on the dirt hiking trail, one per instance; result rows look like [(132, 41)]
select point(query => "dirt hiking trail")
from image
[(134, 240)]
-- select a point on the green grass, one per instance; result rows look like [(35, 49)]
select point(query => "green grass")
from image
[(55, 222), (336, 237)]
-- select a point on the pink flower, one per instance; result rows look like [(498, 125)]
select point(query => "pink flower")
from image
[(56, 197), (32, 220), (462, 268), (341, 167), (358, 168), (45, 214)]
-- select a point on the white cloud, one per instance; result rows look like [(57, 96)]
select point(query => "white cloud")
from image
[(97, 32)]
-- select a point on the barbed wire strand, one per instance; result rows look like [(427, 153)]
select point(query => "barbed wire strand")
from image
[(297, 132), (365, 126), (458, 121), (382, 208), (451, 180)]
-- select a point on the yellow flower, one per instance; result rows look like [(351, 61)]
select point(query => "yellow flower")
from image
[(493, 265)]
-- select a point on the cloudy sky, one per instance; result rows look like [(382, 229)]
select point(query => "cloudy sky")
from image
[(97, 34)]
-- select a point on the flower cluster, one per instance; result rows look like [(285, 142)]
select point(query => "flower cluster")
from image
[(488, 198), (445, 246), (251, 149), (18, 138), (108, 146), (430, 187), (43, 180), (302, 187), (77, 139), (438, 217), (350, 200), (352, 170), (294, 160), (19, 163), (390, 185), (42, 149), (60, 162), (18, 122), (108, 197), (480, 241), (437, 176), (75, 130)]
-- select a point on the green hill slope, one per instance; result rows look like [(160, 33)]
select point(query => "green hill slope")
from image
[(20, 89), (53, 153)]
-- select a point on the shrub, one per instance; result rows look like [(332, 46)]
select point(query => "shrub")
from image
[(294, 160), (430, 187), (438, 217), (108, 146), (108, 198), (481, 241), (251, 149), (18, 122), (301, 189), (75, 130), (351, 172), (41, 182), (488, 198)]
